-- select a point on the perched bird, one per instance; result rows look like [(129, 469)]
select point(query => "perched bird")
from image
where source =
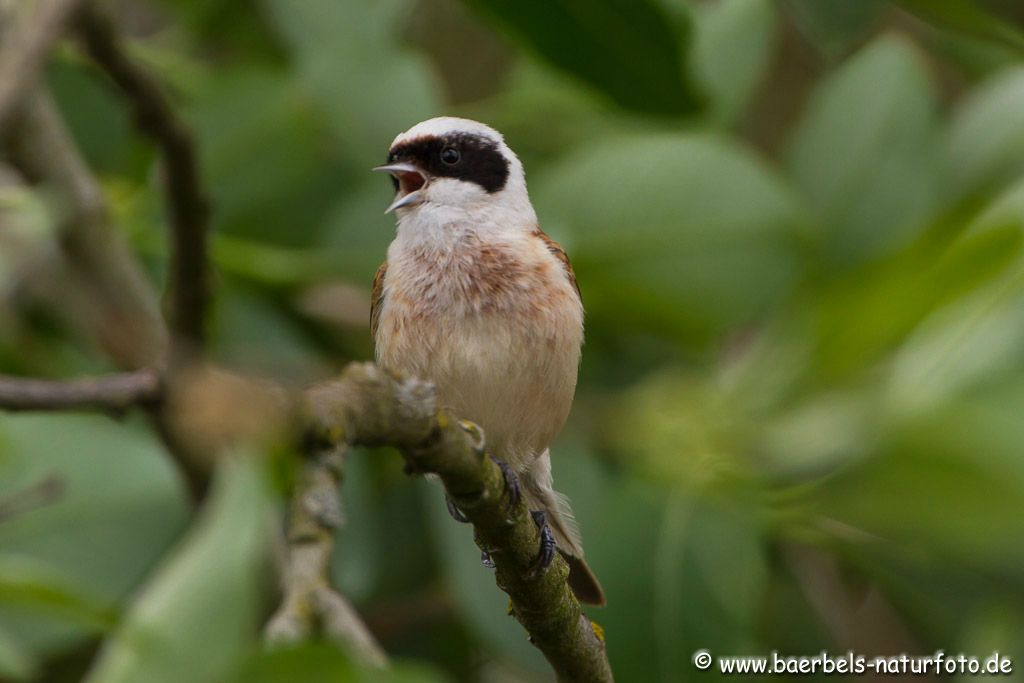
[(477, 299)]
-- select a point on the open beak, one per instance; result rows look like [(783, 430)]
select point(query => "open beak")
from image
[(411, 183)]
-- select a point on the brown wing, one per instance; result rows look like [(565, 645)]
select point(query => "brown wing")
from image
[(377, 298), (556, 249)]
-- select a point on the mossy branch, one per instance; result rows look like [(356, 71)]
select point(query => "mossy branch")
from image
[(368, 407)]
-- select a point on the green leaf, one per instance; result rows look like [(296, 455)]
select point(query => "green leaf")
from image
[(629, 49), (256, 332), (707, 589), (865, 153), (348, 55), (865, 313), (100, 124), (985, 142), (270, 264), (619, 520), (480, 602), (821, 433), (659, 238), (693, 565), (967, 17), (963, 347), (732, 49), (109, 529), (946, 485), (198, 617), (976, 340), (834, 25), (690, 431), (16, 663), (263, 154), (974, 58), (231, 25), (357, 566), (32, 586)]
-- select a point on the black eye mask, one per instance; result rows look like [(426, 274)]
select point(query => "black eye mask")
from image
[(479, 159)]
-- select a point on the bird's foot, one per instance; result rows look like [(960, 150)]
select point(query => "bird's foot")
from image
[(511, 487), (511, 483), (455, 512), (547, 544)]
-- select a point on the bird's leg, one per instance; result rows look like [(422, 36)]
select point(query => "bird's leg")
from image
[(547, 544), (455, 512), (512, 487), (511, 482)]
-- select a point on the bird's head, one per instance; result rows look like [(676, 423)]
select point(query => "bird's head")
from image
[(454, 164)]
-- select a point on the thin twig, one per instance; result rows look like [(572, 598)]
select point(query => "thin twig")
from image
[(310, 603), (368, 407), (114, 393), (124, 315), (186, 202), (43, 492), (859, 619), (25, 48)]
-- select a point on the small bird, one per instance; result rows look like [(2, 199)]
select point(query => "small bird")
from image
[(475, 298)]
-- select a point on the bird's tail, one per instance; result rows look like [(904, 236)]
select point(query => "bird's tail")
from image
[(541, 496)]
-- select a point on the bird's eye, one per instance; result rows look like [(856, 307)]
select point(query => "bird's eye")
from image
[(450, 156)]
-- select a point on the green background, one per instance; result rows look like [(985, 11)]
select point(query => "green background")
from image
[(797, 227)]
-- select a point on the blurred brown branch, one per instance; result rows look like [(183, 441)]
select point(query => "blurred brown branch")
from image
[(859, 619), (186, 201), (123, 313), (310, 602), (121, 310), (26, 42), (115, 393)]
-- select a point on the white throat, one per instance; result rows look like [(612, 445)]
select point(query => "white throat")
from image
[(492, 217)]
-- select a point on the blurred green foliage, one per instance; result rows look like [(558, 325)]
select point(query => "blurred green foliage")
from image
[(797, 227)]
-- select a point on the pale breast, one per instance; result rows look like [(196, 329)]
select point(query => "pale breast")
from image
[(497, 328)]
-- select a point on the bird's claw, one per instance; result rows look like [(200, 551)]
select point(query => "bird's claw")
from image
[(547, 544), (511, 483), (455, 512), (485, 559)]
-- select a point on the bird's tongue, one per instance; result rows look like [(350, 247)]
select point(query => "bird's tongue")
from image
[(410, 182)]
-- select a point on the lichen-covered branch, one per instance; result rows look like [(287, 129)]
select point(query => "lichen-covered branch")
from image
[(369, 407), (186, 201), (114, 393), (311, 606)]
